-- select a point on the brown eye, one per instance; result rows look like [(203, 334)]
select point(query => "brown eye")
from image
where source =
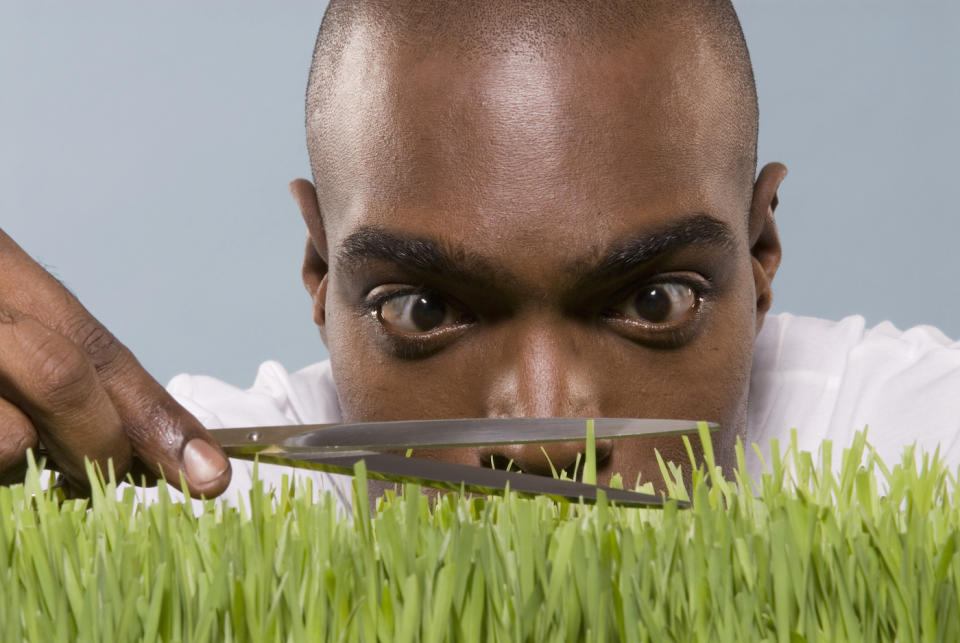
[(417, 312), (661, 303)]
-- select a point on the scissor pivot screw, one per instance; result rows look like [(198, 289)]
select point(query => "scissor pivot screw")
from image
[(254, 436)]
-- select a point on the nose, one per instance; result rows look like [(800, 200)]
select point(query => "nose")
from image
[(538, 458), (543, 371)]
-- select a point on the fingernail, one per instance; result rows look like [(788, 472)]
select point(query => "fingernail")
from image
[(203, 463)]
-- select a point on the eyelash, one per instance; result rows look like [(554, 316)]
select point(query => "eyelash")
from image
[(664, 335), (371, 305), (409, 345), (702, 289), (413, 346)]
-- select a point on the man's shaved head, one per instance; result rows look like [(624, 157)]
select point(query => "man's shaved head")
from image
[(539, 208), (485, 28)]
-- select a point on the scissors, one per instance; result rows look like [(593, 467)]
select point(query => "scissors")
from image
[(336, 448)]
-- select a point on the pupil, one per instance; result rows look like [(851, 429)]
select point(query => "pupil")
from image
[(653, 305), (427, 313)]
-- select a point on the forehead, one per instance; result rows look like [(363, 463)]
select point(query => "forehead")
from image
[(567, 149)]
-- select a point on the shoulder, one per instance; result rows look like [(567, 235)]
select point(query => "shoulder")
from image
[(829, 379)]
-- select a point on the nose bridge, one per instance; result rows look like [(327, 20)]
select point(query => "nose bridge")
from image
[(543, 373)]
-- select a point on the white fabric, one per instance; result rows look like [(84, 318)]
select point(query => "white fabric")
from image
[(830, 379), (826, 379), (277, 397)]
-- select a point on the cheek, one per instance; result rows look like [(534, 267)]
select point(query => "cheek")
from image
[(358, 371), (711, 383), (348, 361), (375, 386), (706, 379), (706, 383)]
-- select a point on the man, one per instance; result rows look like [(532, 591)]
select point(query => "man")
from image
[(540, 208)]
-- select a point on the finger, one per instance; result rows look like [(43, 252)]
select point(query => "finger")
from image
[(55, 385), (164, 435), (16, 436), (168, 439)]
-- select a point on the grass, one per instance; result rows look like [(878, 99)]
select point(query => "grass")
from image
[(803, 553)]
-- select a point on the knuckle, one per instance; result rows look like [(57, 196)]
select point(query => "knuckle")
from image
[(62, 373), (13, 447), (16, 436), (10, 315), (97, 342)]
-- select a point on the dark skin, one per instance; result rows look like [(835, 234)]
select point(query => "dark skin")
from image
[(584, 241), (516, 180)]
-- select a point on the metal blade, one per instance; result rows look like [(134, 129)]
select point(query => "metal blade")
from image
[(420, 434), (454, 477)]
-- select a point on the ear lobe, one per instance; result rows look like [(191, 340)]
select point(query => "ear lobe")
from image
[(315, 263), (765, 247), (314, 276)]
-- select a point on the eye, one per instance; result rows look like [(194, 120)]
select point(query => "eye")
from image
[(416, 312), (660, 303)]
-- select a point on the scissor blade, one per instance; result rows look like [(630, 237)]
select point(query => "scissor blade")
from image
[(420, 434), (450, 476)]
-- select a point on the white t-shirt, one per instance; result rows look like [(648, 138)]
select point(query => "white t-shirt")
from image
[(826, 379)]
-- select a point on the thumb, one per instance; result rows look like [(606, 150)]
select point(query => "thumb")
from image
[(164, 436)]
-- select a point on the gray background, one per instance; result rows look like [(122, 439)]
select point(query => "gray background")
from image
[(145, 152)]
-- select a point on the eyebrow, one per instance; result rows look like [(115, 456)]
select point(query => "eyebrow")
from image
[(417, 254), (371, 243), (692, 230)]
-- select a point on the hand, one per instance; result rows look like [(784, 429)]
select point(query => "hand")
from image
[(67, 382)]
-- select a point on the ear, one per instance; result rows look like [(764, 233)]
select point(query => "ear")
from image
[(764, 240), (316, 258)]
